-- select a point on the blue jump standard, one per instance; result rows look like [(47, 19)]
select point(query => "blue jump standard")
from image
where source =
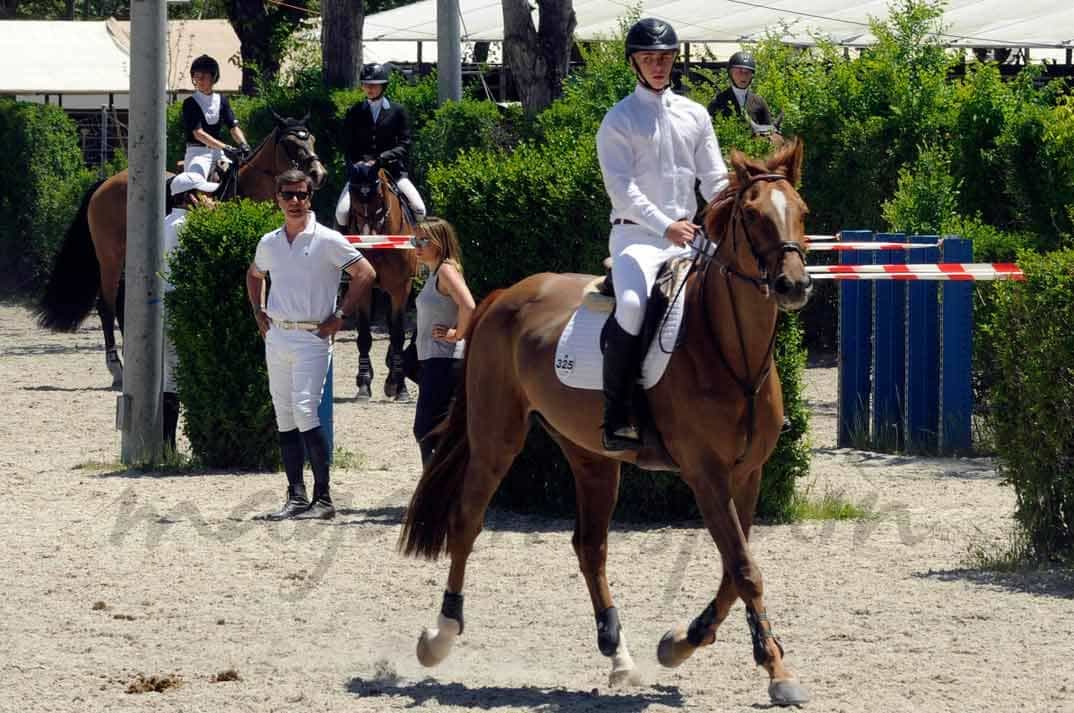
[(904, 353)]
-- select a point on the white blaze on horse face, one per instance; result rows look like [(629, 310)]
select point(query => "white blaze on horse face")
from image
[(779, 202)]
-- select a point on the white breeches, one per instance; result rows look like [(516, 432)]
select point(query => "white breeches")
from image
[(170, 363), (202, 159), (406, 187), (297, 365), (637, 255)]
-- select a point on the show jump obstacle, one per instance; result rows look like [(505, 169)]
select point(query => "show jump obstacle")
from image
[(905, 350)]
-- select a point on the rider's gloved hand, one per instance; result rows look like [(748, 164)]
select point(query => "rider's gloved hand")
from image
[(245, 150)]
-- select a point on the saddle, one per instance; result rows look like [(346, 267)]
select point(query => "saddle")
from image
[(663, 330)]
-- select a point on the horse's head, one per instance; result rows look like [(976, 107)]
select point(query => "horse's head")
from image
[(769, 216), (364, 180), (368, 207), (297, 142)]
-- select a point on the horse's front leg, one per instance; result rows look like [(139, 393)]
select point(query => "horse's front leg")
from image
[(364, 378), (395, 386), (729, 518)]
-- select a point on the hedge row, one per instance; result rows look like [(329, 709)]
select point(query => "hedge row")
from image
[(44, 178), (1033, 419), (223, 382)]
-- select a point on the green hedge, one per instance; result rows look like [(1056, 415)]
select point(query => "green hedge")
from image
[(1034, 397), (44, 179), (223, 383)]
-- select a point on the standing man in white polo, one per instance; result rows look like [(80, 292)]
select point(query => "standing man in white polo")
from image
[(305, 260)]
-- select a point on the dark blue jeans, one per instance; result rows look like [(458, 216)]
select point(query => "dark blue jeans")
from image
[(435, 390)]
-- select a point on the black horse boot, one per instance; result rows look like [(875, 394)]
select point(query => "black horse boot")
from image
[(317, 448), (294, 458), (170, 408), (621, 361)]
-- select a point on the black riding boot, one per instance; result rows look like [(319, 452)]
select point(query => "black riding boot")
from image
[(294, 458), (317, 449), (622, 357), (170, 408)]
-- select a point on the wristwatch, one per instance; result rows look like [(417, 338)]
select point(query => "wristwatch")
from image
[(338, 314)]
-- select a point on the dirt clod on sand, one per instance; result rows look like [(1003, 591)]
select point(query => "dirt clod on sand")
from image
[(154, 684)]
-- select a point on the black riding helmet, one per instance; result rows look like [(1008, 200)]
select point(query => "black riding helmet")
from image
[(205, 63), (375, 73), (649, 35)]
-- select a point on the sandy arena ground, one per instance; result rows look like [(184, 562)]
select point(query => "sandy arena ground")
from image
[(108, 576)]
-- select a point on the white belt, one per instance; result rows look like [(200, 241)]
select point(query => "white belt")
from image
[(288, 324)]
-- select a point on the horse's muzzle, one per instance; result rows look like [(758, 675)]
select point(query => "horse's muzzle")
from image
[(792, 294)]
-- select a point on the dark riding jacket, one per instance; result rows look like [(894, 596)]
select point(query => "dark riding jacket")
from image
[(755, 107), (387, 140)]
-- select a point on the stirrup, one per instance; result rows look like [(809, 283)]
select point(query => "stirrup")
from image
[(623, 438)]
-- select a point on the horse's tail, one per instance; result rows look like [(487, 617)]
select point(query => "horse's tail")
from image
[(72, 287), (435, 500)]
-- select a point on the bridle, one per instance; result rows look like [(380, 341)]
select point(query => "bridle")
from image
[(304, 158), (707, 255), (379, 214)]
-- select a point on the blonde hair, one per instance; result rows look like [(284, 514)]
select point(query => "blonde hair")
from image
[(442, 233)]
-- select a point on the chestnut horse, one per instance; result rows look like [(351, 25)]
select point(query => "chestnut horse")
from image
[(718, 409), (377, 209), (90, 260)]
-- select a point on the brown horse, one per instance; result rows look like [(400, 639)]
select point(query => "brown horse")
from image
[(376, 209), (90, 260), (718, 410)]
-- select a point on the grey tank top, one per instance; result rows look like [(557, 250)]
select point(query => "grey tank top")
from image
[(435, 308)]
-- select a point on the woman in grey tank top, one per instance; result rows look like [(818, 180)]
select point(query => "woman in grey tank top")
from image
[(445, 306)]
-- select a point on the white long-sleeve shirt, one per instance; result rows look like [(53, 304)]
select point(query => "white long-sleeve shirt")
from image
[(651, 148)]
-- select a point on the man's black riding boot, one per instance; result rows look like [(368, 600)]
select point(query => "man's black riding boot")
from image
[(294, 459), (317, 448), (170, 407), (621, 361)]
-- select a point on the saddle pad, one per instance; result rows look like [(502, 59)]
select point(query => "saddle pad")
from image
[(579, 362)]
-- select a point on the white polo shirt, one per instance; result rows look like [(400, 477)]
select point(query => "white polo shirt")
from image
[(305, 272), (172, 222)]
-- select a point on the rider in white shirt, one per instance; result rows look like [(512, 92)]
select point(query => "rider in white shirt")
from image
[(652, 145)]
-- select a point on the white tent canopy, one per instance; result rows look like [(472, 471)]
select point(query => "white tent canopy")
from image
[(968, 23)]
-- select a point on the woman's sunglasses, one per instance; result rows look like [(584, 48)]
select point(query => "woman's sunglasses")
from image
[(292, 195), (419, 242)]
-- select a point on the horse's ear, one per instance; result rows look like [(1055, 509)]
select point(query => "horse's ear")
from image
[(280, 121), (741, 169), (793, 161), (305, 120)]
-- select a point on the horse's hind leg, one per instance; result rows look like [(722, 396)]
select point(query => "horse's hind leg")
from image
[(364, 378), (596, 485), (729, 519), (111, 354), (496, 433)]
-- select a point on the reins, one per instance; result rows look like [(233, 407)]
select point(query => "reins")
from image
[(707, 252)]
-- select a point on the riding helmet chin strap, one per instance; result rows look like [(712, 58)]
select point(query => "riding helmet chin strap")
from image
[(641, 77)]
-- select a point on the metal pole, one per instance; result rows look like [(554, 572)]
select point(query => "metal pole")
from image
[(448, 50), (139, 413), (104, 141)]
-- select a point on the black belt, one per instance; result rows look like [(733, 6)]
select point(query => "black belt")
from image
[(623, 221)]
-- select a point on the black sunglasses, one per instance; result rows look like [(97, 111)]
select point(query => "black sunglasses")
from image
[(419, 242), (292, 195)]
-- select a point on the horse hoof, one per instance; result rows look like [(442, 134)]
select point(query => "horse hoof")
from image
[(623, 678), (432, 649), (364, 393), (787, 693), (402, 395), (674, 648)]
